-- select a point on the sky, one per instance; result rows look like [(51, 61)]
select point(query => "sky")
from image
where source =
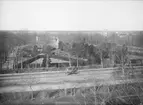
[(76, 15)]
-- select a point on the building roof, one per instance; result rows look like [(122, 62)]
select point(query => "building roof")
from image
[(62, 54), (53, 60), (38, 61), (58, 61)]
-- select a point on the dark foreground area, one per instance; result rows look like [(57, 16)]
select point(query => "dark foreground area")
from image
[(125, 94)]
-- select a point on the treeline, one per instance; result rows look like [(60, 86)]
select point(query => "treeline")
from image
[(76, 43), (9, 40)]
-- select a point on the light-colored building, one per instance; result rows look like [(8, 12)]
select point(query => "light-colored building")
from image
[(54, 42)]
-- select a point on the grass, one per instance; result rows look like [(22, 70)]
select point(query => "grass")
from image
[(108, 95)]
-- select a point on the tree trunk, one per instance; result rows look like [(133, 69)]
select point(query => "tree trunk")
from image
[(69, 61), (122, 60), (77, 61), (101, 58)]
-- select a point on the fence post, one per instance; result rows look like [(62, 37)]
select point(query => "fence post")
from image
[(95, 95)]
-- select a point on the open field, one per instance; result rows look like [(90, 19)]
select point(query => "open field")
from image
[(89, 87), (60, 80)]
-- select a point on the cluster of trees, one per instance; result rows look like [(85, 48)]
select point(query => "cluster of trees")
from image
[(96, 53), (8, 41), (85, 50)]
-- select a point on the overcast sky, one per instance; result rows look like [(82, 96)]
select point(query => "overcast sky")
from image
[(71, 15)]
